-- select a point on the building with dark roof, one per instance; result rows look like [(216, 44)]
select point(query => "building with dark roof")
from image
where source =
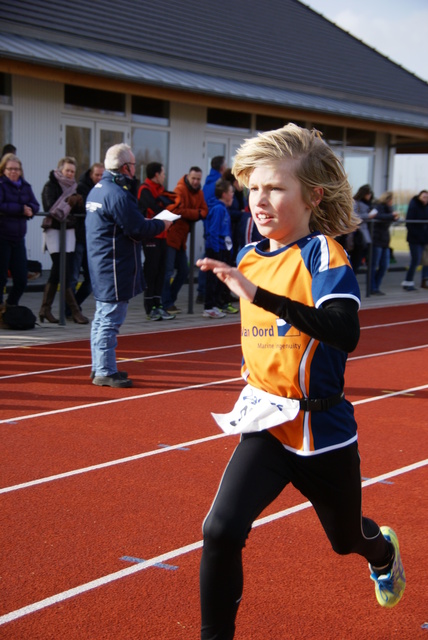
[(184, 81)]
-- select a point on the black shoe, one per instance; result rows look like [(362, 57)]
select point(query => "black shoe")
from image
[(115, 380), (123, 374)]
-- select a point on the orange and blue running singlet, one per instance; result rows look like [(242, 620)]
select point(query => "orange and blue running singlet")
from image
[(281, 360)]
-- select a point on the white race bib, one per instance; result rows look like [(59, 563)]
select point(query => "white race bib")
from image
[(256, 410)]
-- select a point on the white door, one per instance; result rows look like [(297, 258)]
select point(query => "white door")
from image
[(88, 140), (222, 145)]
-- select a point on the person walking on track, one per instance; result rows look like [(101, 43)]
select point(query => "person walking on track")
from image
[(299, 320)]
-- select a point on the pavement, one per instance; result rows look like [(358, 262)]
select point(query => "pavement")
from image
[(136, 322)]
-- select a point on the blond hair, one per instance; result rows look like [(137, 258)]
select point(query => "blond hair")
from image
[(315, 166)]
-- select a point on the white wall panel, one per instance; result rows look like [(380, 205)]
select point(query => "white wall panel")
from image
[(37, 108)]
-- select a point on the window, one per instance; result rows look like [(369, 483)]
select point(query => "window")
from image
[(334, 136), (360, 138), (150, 110), (149, 146), (5, 88), (83, 98), (269, 123), (226, 118)]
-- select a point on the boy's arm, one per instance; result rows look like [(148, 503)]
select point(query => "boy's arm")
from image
[(335, 322)]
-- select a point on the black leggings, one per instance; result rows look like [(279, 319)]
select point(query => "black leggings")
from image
[(55, 269), (258, 471)]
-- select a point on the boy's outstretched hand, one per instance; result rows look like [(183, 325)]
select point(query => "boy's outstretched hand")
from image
[(231, 276)]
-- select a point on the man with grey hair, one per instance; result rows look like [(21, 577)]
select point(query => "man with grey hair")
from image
[(114, 231)]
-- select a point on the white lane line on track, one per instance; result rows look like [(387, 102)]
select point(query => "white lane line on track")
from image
[(116, 400), (178, 353), (122, 360), (155, 393), (166, 557), (147, 454)]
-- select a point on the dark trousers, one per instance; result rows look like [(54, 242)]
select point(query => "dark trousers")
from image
[(258, 471), (217, 294), (13, 258), (55, 269), (154, 272), (175, 261)]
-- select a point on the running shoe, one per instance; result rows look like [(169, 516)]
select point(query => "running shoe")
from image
[(389, 587), (154, 314), (164, 315), (213, 313), (229, 308)]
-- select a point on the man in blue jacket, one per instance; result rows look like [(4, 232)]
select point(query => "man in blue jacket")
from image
[(114, 231)]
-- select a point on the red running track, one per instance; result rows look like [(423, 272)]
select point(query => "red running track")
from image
[(96, 481)]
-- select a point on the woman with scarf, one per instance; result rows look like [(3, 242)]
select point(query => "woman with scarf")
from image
[(60, 201), (17, 205)]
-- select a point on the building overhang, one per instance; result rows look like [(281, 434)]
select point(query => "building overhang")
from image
[(72, 65)]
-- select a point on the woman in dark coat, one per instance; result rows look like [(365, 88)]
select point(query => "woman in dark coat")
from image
[(381, 238), (417, 237), (17, 205), (60, 200)]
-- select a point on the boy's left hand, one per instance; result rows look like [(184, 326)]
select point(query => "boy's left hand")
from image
[(231, 276)]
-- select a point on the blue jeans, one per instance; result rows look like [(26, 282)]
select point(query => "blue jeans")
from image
[(13, 257), (176, 259), (416, 251), (109, 317), (380, 264)]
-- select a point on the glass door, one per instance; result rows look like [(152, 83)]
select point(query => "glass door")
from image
[(88, 140), (222, 145)]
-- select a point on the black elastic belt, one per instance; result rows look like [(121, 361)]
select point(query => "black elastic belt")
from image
[(320, 404)]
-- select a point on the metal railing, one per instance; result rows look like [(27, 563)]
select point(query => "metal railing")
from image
[(62, 267), (191, 278)]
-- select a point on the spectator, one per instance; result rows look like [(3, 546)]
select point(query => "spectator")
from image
[(17, 205), (114, 230), (381, 238), (87, 181), (60, 199), (247, 231), (218, 167), (218, 246), (191, 206), (8, 148), (152, 199), (360, 239), (417, 237), (236, 211)]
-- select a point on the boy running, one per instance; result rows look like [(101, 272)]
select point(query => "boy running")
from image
[(299, 310)]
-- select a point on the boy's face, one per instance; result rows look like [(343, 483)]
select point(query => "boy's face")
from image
[(277, 204)]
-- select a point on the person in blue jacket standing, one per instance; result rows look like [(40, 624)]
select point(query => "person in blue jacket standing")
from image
[(115, 228), (17, 205), (218, 245)]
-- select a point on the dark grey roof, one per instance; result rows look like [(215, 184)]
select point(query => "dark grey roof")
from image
[(274, 51)]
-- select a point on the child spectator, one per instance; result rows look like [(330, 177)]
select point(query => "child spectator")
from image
[(218, 246)]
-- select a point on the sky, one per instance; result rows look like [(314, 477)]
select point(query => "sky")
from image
[(399, 30)]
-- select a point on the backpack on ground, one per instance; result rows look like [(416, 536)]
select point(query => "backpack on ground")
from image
[(19, 318)]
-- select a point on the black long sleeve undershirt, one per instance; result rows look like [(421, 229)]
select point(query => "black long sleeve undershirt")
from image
[(335, 323)]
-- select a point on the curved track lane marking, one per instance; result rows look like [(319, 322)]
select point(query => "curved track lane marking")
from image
[(154, 452), (169, 555)]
